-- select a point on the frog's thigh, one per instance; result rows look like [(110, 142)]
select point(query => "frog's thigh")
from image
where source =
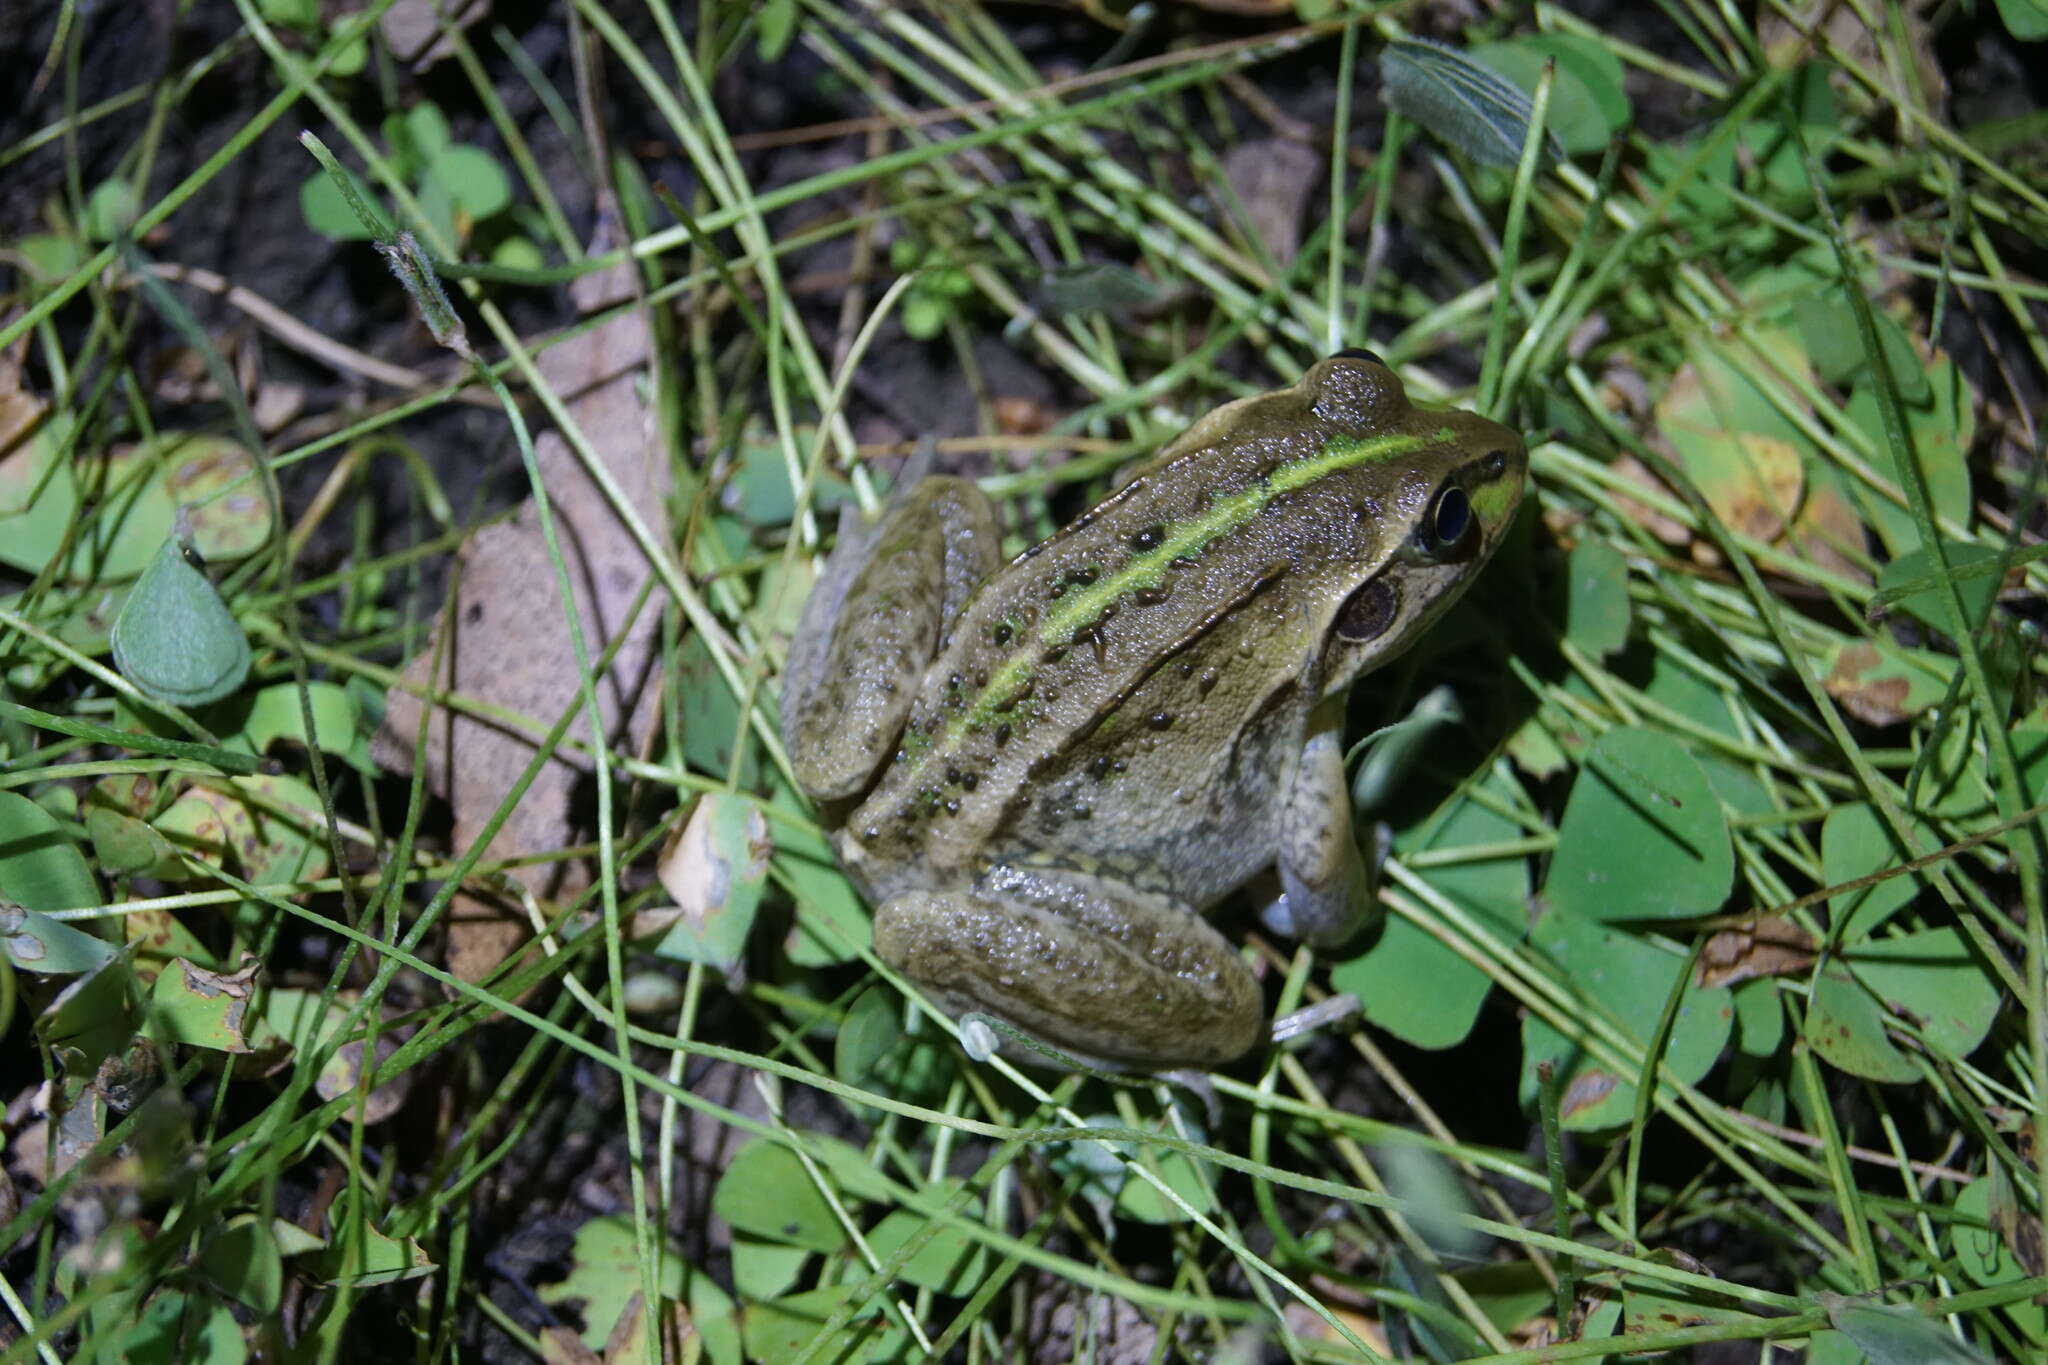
[(1106, 974), (873, 623), (1328, 892)]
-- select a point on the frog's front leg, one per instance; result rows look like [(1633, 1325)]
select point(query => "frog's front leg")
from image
[(875, 620), (1328, 892), (1113, 976)]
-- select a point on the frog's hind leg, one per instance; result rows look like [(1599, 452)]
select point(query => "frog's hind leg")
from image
[(874, 622), (1113, 976)]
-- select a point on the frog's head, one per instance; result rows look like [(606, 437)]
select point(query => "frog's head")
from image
[(1439, 487)]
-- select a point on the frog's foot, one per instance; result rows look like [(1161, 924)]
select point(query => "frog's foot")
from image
[(1117, 979), (1314, 1018)]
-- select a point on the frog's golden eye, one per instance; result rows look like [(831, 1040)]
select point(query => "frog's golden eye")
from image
[(1359, 353), (1448, 519)]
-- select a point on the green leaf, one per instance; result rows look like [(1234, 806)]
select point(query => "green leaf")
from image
[(604, 1273), (299, 14), (175, 639), (517, 253), (1893, 1335), (34, 942), (1910, 584), (1409, 982), (1854, 842), (243, 1262), (767, 1192), (473, 178), (1882, 683), (110, 210), (180, 1329), (1596, 614), (774, 28), (873, 1028), (1941, 426), (40, 867), (1579, 119), (426, 133), (125, 845), (2026, 20), (1643, 836), (1933, 979), (1846, 1028), (787, 1328), (952, 1262), (327, 212), (276, 714), (1630, 978), (200, 1008), (1467, 105), (38, 497), (364, 1256)]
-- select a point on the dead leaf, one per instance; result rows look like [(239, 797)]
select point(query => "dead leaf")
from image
[(1772, 947), (1273, 178), (509, 641), (412, 29)]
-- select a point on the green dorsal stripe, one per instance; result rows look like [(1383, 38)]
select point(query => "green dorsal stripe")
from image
[(1081, 608)]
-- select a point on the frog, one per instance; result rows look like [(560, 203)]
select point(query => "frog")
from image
[(1046, 774)]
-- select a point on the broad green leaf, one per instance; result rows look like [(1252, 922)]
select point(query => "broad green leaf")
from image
[(126, 846), (243, 1262), (1411, 984), (34, 942), (1466, 104), (267, 826), (952, 1262), (1577, 118), (1882, 683), (473, 178), (1630, 978), (1854, 842), (1932, 979), (38, 497), (1643, 836), (765, 1270), (275, 713), (110, 210), (1974, 568), (766, 1191), (1846, 1027), (2026, 20), (1759, 1018), (1982, 1250), (363, 1256), (179, 1329), (328, 213), (201, 1008), (40, 867), (873, 1028), (1895, 1335), (1140, 1200), (175, 639), (1596, 602), (217, 483), (604, 1275), (1942, 426), (788, 1328), (427, 132)]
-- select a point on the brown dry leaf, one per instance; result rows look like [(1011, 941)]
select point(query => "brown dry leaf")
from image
[(1667, 529), (1772, 947), (510, 641), (1273, 178), (412, 29), (561, 1346)]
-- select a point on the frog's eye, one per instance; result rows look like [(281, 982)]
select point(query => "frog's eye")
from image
[(1449, 517), (1359, 353), (1369, 612)]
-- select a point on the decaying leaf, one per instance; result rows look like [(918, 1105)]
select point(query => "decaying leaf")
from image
[(508, 638), (715, 869), (1772, 947)]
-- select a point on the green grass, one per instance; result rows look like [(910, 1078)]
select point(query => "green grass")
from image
[(1714, 965)]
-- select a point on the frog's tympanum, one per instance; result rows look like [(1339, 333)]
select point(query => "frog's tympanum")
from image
[(1049, 769)]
